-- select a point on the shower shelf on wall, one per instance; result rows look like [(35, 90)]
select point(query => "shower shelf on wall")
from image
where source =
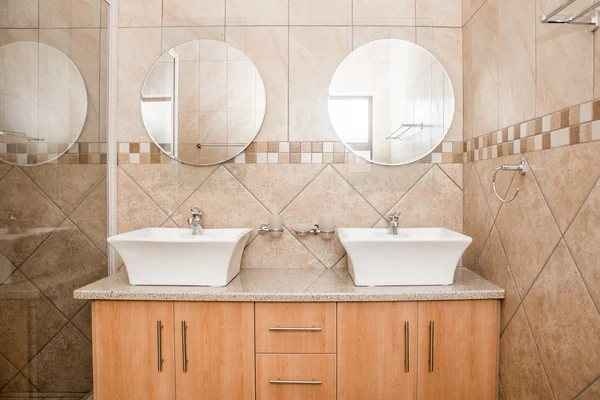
[(589, 16)]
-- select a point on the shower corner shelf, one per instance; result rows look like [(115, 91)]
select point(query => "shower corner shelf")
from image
[(582, 18)]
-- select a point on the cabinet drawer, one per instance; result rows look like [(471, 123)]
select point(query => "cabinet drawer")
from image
[(295, 376), (295, 327)]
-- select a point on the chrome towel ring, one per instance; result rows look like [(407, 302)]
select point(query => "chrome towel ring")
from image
[(521, 167)]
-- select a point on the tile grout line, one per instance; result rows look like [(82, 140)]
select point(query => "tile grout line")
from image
[(191, 194), (597, 379), (406, 193)]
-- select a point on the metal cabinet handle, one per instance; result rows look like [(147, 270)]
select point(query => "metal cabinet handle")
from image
[(184, 345), (160, 360), (291, 382), (406, 346), (281, 328), (431, 339)]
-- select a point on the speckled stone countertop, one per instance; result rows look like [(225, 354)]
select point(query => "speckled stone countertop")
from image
[(261, 285)]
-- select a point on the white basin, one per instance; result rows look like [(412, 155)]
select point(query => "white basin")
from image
[(416, 256), (172, 256)]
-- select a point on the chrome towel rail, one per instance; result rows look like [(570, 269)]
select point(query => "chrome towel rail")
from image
[(594, 20), (521, 167)]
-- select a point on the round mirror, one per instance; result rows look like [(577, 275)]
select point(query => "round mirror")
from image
[(391, 102), (203, 102), (43, 103)]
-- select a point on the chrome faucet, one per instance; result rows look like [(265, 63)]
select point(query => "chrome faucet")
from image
[(393, 230), (196, 222)]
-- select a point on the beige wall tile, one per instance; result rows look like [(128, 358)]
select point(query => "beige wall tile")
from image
[(86, 13), (55, 13), (582, 239), (485, 69), (384, 12), (138, 50), (567, 55), (477, 219), (468, 81), (364, 34), (439, 13), (315, 53), (469, 7), (565, 325), (521, 371), (19, 14), (454, 172), (172, 36), (527, 230), (91, 216), (320, 12), (566, 175), (267, 47), (517, 63), (257, 12), (193, 12), (446, 45), (591, 393), (140, 13), (18, 35)]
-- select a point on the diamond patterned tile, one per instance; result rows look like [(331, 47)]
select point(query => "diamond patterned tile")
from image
[(527, 230), (566, 175), (275, 185), (6, 268), (565, 325), (521, 370), (21, 386), (4, 168), (28, 320), (83, 320), (225, 204), (591, 393), (493, 266), (66, 184), (583, 237), (67, 260), (435, 201), (455, 172), (168, 184), (169, 224), (136, 209), (7, 371), (283, 252), (382, 186), (486, 169), (36, 216), (329, 194), (64, 365), (477, 220), (91, 216)]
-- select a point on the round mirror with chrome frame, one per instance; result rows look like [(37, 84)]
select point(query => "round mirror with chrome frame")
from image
[(203, 102), (391, 102)]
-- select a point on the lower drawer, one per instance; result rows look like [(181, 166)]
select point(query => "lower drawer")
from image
[(295, 376)]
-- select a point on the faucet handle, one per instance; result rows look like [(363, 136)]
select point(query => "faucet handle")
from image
[(395, 217), (196, 212)]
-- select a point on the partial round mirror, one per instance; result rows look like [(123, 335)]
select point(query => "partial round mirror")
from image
[(203, 102), (391, 102), (43, 103)]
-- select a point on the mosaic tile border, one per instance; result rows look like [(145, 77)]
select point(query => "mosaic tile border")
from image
[(36, 153), (285, 153), (578, 124)]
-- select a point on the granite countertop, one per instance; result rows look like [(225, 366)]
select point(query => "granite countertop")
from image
[(281, 285)]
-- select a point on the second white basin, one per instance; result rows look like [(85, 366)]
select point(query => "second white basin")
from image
[(172, 256), (415, 256)]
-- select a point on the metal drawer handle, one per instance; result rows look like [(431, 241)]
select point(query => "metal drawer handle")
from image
[(431, 339), (300, 329), (159, 344), (292, 382), (184, 345), (406, 347)]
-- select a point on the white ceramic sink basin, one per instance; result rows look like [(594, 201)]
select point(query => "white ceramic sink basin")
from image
[(416, 256), (172, 256)]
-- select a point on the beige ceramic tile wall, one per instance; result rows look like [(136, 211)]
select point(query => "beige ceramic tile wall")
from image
[(296, 45), (541, 248), (45, 335)]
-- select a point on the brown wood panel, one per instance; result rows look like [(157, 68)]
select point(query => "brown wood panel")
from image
[(465, 350), (298, 367), (371, 350), (220, 350), (295, 315), (126, 350)]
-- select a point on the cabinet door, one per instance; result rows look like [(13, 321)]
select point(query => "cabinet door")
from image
[(377, 355), (295, 376), (133, 350), (458, 354), (214, 350)]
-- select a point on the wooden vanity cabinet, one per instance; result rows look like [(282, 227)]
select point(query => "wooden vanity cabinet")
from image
[(217, 342)]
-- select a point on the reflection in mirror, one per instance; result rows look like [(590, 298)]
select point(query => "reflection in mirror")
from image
[(391, 102), (43, 103), (203, 102)]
